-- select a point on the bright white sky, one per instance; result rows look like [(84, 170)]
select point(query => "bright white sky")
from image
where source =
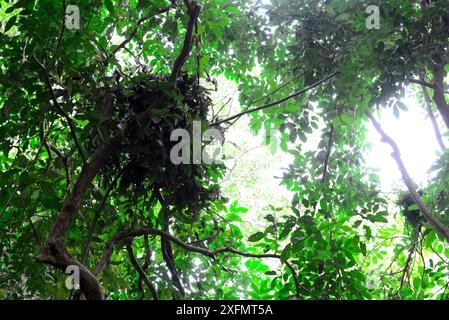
[(416, 140), (413, 132)]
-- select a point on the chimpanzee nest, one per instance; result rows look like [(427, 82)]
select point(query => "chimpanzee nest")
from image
[(412, 216), (146, 110)]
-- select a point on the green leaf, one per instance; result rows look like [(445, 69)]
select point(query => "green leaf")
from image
[(10, 23), (270, 273), (363, 248), (256, 237), (396, 111), (402, 105), (416, 283), (377, 218), (109, 6)]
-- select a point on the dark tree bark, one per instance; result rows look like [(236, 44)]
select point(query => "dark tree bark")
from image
[(439, 94)]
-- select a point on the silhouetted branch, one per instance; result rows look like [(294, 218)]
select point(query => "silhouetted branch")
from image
[(126, 235), (142, 273), (432, 117), (436, 224), (194, 11), (314, 85)]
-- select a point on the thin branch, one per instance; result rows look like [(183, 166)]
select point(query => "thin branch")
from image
[(64, 159), (406, 269), (136, 28), (297, 284), (436, 224), (46, 145), (146, 264), (96, 216), (61, 111), (423, 83), (288, 82), (8, 203), (436, 129), (295, 94), (61, 34), (142, 273), (328, 153)]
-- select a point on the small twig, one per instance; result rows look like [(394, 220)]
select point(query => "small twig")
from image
[(61, 111), (61, 34), (134, 31), (96, 216), (426, 84), (436, 129)]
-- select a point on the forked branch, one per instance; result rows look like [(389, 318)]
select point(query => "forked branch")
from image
[(127, 235)]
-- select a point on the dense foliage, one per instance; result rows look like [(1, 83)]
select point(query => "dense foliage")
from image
[(85, 173)]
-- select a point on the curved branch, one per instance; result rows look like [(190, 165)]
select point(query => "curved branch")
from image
[(328, 153), (60, 110), (142, 273), (436, 224), (138, 24), (61, 34), (126, 235), (54, 252), (436, 129), (194, 11), (96, 216)]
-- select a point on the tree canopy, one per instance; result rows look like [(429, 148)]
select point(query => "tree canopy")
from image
[(92, 91)]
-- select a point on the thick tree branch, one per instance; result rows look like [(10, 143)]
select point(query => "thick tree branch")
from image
[(438, 94), (436, 224), (58, 257), (194, 11), (54, 252), (72, 205)]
